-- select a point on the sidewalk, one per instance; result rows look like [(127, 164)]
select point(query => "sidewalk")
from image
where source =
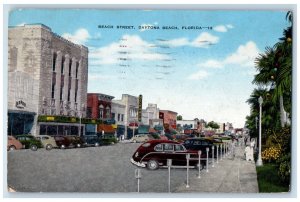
[(228, 176)]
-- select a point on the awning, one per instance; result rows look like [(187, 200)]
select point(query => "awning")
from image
[(105, 128)]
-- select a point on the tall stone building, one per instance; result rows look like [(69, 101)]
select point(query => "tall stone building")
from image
[(47, 75)]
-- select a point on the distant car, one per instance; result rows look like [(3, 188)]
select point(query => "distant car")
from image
[(140, 138), (61, 141), (75, 141), (13, 143), (47, 141), (92, 140), (108, 139), (29, 142), (200, 144), (154, 154)]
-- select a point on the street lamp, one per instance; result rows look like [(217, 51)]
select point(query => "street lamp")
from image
[(259, 161), (80, 116)]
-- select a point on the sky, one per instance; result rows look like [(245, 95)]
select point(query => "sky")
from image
[(204, 72)]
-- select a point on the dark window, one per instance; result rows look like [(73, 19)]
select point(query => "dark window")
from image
[(122, 117), (179, 147), (54, 61), (52, 130), (168, 147), (70, 67), (118, 117), (62, 64), (53, 84), (43, 129), (158, 147), (113, 115), (76, 89), (77, 66)]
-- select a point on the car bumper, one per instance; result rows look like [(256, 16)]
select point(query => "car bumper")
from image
[(137, 163)]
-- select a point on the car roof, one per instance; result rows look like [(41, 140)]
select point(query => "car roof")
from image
[(162, 141)]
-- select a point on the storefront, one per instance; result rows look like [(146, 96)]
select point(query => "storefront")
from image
[(20, 122)]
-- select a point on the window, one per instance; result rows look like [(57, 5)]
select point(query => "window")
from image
[(113, 115), (62, 64), (158, 147), (179, 147), (53, 85), (70, 67), (118, 117), (122, 117), (77, 66), (168, 147), (101, 111), (54, 61), (107, 112)]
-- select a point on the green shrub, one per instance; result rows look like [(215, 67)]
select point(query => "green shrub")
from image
[(284, 171)]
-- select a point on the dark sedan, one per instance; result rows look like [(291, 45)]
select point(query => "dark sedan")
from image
[(61, 141), (92, 140), (155, 153), (201, 144)]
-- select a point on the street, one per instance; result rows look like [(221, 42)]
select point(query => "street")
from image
[(103, 169)]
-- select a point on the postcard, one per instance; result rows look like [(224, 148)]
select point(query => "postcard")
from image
[(149, 101)]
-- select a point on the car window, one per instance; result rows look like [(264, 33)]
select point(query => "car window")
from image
[(168, 147), (179, 147), (158, 147), (205, 143), (197, 142), (187, 142), (38, 138), (45, 138)]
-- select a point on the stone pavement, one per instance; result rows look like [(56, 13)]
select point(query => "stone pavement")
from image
[(230, 175)]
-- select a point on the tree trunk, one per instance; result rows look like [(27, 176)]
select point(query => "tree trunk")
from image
[(282, 112)]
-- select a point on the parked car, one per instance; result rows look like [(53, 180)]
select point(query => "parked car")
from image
[(29, 142), (61, 141), (140, 138), (47, 141), (154, 153), (108, 139), (92, 140), (75, 141), (13, 143), (200, 144)]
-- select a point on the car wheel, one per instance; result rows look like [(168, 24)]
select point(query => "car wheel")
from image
[(134, 141), (78, 145), (152, 165), (11, 148), (62, 146), (49, 146), (33, 147), (97, 144)]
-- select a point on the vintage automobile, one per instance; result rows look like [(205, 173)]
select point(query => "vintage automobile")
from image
[(13, 143), (47, 141), (29, 141), (92, 140), (75, 141), (61, 141), (154, 154), (200, 144), (140, 138)]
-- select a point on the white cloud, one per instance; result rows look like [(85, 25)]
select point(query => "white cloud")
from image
[(220, 28), (202, 41), (79, 37), (211, 64), (132, 47), (223, 28), (198, 75), (243, 56), (205, 39), (176, 42)]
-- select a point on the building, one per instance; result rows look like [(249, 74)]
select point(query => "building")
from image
[(130, 105), (150, 115), (47, 80), (99, 106), (185, 125), (168, 117)]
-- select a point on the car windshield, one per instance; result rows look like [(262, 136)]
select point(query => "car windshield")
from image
[(179, 147)]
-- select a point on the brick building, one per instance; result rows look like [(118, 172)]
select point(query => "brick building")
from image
[(169, 117), (99, 106)]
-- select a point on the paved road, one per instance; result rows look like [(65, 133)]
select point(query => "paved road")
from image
[(94, 169), (108, 169)]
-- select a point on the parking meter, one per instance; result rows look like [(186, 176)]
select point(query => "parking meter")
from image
[(187, 169), (169, 164), (138, 176), (213, 150), (199, 162), (207, 150)]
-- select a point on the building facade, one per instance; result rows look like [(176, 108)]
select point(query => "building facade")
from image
[(150, 114), (47, 75), (131, 105), (168, 117), (99, 106)]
